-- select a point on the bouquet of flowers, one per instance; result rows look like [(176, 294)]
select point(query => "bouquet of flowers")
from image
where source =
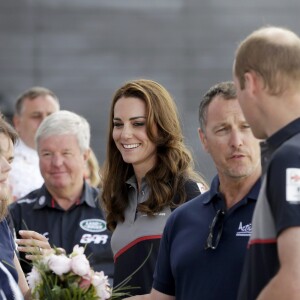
[(56, 275)]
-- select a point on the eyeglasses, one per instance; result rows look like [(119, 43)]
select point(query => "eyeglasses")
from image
[(215, 230)]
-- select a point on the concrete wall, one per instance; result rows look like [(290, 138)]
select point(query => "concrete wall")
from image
[(84, 50)]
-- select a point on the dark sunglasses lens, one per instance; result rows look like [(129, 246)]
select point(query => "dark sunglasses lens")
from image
[(215, 230)]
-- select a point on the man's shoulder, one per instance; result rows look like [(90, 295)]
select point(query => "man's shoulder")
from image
[(288, 153), (91, 195), (191, 205), (185, 214), (27, 200), (95, 192), (291, 143)]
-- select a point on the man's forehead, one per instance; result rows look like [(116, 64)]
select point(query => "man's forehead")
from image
[(225, 110), (219, 105), (40, 102)]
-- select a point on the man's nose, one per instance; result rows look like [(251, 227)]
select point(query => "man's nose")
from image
[(236, 139), (57, 160)]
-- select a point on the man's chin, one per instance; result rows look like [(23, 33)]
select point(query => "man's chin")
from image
[(240, 173), (57, 185)]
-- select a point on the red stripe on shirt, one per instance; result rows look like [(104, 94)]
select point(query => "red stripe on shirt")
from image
[(141, 239), (261, 241)]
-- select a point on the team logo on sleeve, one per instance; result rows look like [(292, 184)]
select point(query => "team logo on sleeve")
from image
[(93, 225), (293, 185)]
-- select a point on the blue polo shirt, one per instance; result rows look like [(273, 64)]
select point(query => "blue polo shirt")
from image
[(184, 268), (82, 224), (278, 208)]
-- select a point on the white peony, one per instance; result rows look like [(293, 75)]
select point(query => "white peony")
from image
[(33, 278), (47, 253), (59, 264), (80, 265), (100, 282), (77, 250)]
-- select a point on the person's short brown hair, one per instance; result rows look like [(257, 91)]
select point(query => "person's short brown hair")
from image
[(224, 89), (33, 93), (274, 54)]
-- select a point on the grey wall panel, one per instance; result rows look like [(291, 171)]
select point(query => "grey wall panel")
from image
[(84, 50)]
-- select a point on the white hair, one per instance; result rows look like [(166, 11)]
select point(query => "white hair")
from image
[(65, 122)]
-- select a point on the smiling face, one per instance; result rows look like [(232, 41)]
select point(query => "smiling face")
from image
[(229, 140), (62, 163), (130, 134)]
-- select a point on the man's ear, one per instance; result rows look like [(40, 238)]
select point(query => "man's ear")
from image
[(203, 139), (16, 122), (86, 154), (252, 82)]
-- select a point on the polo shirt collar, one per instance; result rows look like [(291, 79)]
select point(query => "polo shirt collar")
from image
[(214, 193), (268, 146), (44, 198), (283, 134), (88, 196), (133, 182)]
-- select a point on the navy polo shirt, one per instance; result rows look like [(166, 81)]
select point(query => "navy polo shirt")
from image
[(278, 208), (184, 268), (83, 224)]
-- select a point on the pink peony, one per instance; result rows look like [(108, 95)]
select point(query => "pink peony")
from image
[(85, 282), (59, 264), (80, 265), (70, 272)]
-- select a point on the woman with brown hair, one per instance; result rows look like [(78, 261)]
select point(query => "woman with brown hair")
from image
[(10, 269), (147, 173)]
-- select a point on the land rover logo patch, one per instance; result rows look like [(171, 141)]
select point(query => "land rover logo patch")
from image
[(93, 225)]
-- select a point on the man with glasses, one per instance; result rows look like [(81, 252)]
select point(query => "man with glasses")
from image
[(203, 246)]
